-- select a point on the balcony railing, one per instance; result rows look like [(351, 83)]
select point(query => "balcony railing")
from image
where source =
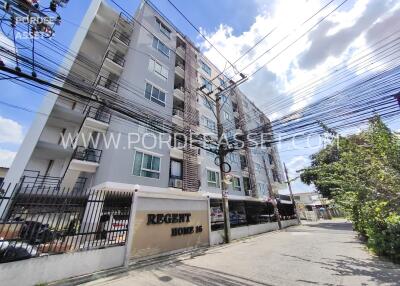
[(108, 83), (87, 154), (122, 37), (177, 112), (119, 60), (99, 114)]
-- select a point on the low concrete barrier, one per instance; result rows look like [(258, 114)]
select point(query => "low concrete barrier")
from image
[(217, 237), (57, 267)]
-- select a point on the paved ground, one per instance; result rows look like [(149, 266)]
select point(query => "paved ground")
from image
[(325, 253)]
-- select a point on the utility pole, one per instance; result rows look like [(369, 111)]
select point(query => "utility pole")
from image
[(291, 193), (272, 195), (221, 155), (222, 151)]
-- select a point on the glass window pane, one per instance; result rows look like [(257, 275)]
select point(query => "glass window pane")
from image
[(161, 96), (155, 92), (155, 42), (156, 164), (147, 161), (148, 91), (137, 164)]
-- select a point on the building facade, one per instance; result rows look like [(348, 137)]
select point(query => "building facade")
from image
[(147, 67)]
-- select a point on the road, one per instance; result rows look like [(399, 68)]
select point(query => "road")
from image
[(324, 253)]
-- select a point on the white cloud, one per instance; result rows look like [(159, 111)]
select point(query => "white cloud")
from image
[(10, 131), (336, 42), (6, 157)]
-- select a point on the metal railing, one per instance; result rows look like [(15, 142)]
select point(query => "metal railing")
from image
[(116, 58), (100, 114), (178, 112), (122, 37), (50, 222), (32, 180), (108, 83), (87, 154)]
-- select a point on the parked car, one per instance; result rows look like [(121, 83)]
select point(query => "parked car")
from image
[(217, 216), (13, 251), (115, 227)]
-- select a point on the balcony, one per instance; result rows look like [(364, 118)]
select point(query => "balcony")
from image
[(122, 38), (125, 23), (177, 116), (180, 50), (99, 114), (179, 93), (108, 84), (114, 61), (180, 71), (178, 112), (96, 120), (87, 154)]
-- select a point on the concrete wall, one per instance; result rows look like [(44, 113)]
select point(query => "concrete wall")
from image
[(56, 267), (217, 237)]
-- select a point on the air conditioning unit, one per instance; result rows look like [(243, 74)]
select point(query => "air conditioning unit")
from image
[(178, 184)]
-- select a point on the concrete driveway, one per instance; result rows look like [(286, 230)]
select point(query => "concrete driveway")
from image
[(324, 253)]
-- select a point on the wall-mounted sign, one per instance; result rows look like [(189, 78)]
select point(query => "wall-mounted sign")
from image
[(154, 219), (167, 224)]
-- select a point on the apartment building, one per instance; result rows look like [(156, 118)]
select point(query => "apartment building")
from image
[(149, 64)]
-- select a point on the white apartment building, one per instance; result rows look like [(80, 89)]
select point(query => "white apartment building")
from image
[(145, 61)]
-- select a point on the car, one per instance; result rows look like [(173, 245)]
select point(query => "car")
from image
[(217, 216), (13, 251)]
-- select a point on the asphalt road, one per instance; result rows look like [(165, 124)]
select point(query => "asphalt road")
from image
[(324, 253)]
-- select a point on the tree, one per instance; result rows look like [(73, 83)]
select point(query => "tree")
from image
[(361, 173)]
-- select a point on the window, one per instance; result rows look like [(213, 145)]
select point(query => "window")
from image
[(146, 165), (208, 123), (164, 29), (236, 184), (227, 116), (213, 179), (176, 169), (154, 94), (158, 69), (161, 47), (208, 103), (205, 68), (262, 189), (233, 158), (205, 82)]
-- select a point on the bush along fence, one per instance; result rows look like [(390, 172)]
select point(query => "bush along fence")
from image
[(38, 221)]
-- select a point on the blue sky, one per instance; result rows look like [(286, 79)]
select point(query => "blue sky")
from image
[(233, 26)]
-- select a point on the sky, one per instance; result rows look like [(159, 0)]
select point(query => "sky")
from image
[(233, 26)]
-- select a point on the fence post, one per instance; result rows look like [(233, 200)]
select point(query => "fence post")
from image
[(131, 229)]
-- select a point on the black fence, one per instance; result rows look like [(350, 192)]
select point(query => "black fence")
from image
[(51, 221), (243, 213)]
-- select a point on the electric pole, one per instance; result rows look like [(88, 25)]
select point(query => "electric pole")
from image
[(272, 196), (291, 193), (221, 154)]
